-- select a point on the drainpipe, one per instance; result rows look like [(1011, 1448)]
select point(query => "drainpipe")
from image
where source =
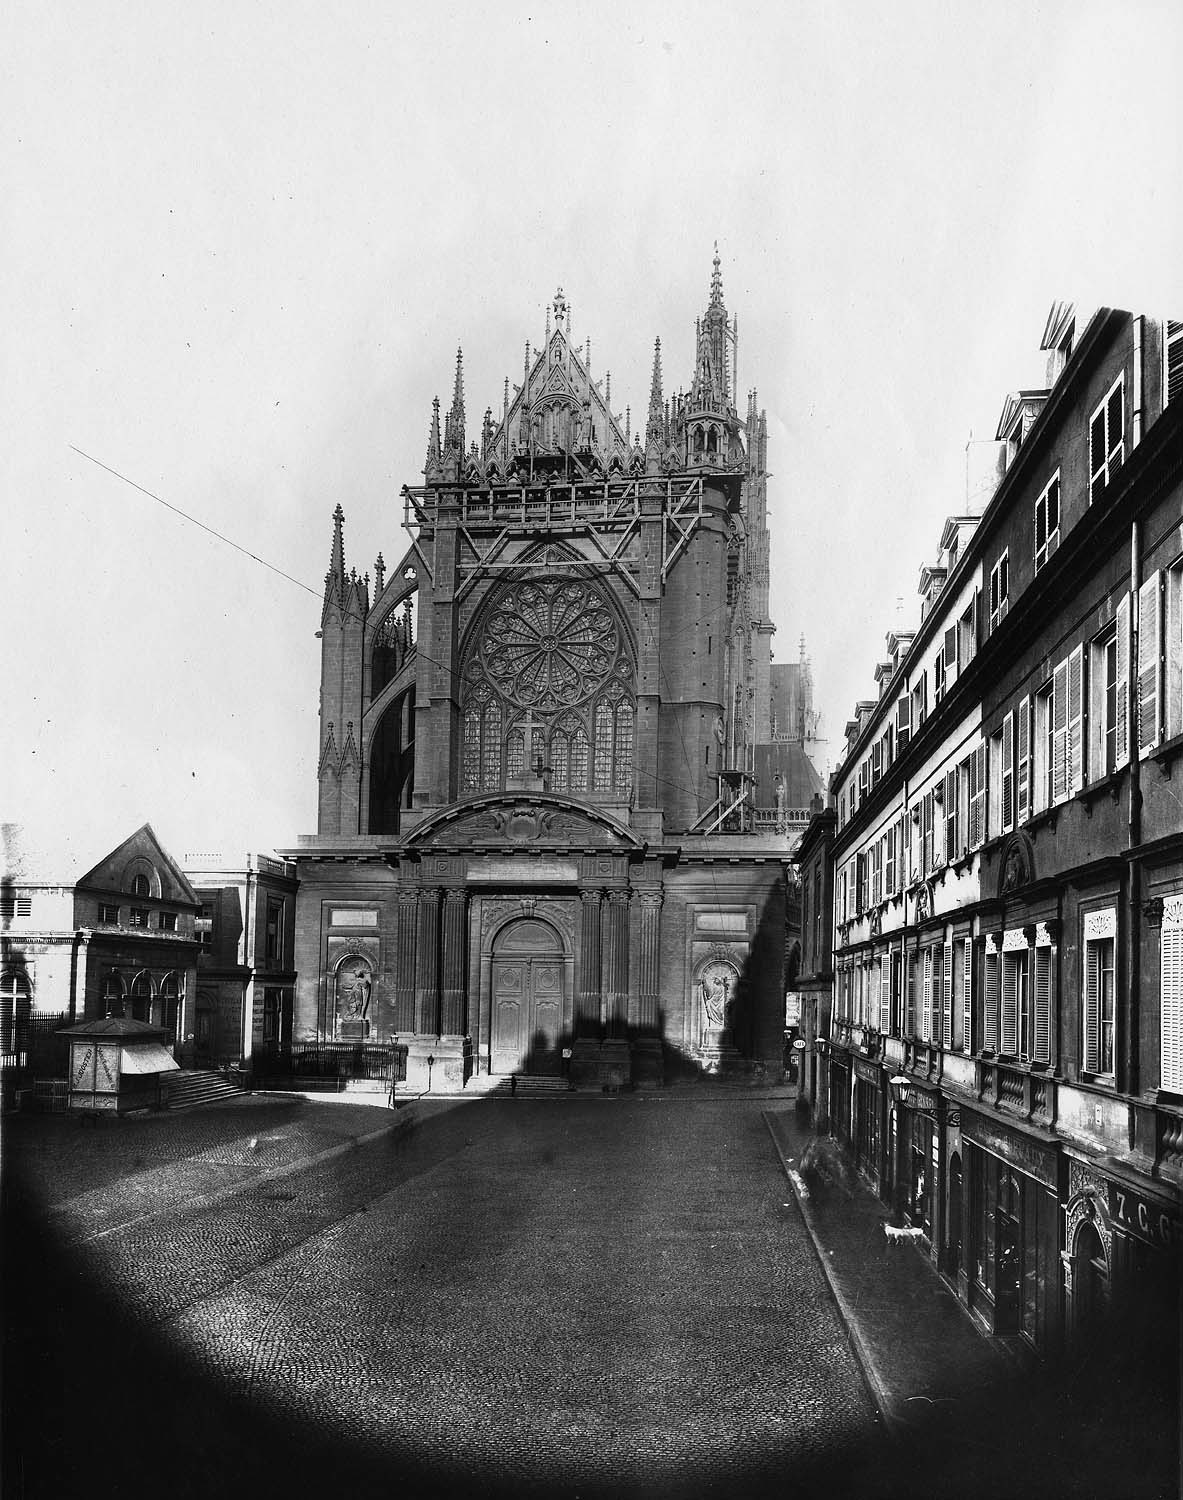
[(1136, 395), (1133, 925), (78, 944)]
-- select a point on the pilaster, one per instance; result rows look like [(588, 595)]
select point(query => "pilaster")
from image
[(427, 964), (404, 960), (453, 1011)]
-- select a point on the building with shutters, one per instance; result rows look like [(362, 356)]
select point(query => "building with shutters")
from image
[(1005, 1058), (542, 841)]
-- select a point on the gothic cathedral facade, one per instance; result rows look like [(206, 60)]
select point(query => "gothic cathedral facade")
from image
[(539, 847)]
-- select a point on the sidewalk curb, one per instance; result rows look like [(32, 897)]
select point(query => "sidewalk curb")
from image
[(404, 1122), (876, 1385)]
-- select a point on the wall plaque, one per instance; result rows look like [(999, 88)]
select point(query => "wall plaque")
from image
[(517, 871)]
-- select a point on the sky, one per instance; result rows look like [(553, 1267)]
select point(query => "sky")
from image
[(242, 242)]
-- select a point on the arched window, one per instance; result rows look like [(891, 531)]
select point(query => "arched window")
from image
[(112, 995), (169, 1004), (546, 682), (141, 997), (141, 885)]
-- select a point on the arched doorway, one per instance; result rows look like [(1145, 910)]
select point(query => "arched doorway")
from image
[(1091, 1288), (527, 998)]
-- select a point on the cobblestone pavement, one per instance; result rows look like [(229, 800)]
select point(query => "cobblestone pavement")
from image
[(580, 1296)]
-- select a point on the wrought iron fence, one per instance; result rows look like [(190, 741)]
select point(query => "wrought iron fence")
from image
[(342, 1061), (32, 1047)]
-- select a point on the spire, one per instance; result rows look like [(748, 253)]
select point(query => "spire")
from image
[(454, 427), (433, 438), (337, 558), (655, 427), (716, 281), (379, 574)]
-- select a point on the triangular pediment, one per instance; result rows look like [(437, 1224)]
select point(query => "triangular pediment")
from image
[(506, 820), (141, 854)]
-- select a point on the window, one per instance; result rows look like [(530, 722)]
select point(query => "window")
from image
[(140, 886), (1109, 696), (1047, 523), (203, 926), (108, 914), (919, 705), (1065, 746), (967, 634), (1016, 1004), (139, 916), (112, 995), (1172, 651), (168, 921), (1100, 942), (903, 721), (1044, 979), (273, 947), (1171, 995), (977, 797), (1023, 762), (15, 906), (990, 997), (999, 590), (1150, 663), (1107, 438)]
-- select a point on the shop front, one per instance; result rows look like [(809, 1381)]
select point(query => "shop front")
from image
[(867, 1131), (1012, 1235), (840, 1097), (917, 1158)]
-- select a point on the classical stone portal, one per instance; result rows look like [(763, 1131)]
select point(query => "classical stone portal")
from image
[(540, 838)]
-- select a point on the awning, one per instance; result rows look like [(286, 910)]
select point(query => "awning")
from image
[(149, 1058)]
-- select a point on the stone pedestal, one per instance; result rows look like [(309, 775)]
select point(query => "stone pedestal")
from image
[(601, 1065), (648, 1062), (718, 1053), (438, 1064)]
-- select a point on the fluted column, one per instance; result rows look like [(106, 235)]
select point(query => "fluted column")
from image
[(453, 1017), (587, 1021), (615, 963), (648, 976), (404, 961), (427, 964)]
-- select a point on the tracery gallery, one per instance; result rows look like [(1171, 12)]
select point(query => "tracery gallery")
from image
[(535, 845)]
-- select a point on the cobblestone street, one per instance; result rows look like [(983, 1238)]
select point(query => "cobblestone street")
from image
[(613, 1295)]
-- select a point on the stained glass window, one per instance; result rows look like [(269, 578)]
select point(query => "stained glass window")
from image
[(491, 748), (472, 749), (579, 762), (624, 746), (559, 763), (515, 753), (603, 746)]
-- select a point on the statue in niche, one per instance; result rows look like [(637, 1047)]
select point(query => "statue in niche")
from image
[(354, 987), (715, 989)]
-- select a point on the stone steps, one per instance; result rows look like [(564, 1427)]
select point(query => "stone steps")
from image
[(528, 1087), (193, 1086)]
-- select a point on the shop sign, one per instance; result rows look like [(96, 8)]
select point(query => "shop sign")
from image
[(868, 1072), (1140, 1216), (1029, 1156), (916, 1099)]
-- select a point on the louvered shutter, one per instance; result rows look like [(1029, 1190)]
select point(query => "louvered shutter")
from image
[(1173, 361), (1171, 998), (967, 996), (926, 998), (1043, 1003), (1149, 650), (1092, 993), (884, 996), (947, 1005), (1097, 454), (1076, 720), (990, 1005), (1115, 424), (1008, 773), (1010, 1006), (1023, 771), (1123, 681), (977, 797), (952, 851), (1060, 733), (910, 998)]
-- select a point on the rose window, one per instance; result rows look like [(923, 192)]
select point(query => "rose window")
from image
[(547, 685)]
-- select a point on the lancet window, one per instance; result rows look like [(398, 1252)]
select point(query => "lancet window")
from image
[(547, 693)]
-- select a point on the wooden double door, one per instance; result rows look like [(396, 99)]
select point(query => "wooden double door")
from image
[(528, 997)]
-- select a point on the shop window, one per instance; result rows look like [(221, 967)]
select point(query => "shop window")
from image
[(919, 1195), (1100, 993)]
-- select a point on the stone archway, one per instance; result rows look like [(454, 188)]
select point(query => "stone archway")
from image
[(527, 998)]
